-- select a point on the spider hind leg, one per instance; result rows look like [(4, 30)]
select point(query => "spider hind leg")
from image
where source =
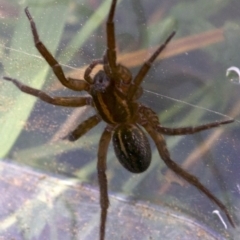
[(164, 153)]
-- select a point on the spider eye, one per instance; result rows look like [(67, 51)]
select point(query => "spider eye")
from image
[(101, 81), (100, 77)]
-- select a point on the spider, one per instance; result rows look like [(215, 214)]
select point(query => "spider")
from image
[(114, 94)]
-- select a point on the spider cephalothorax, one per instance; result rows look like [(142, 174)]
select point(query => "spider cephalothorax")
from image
[(109, 101), (113, 92)]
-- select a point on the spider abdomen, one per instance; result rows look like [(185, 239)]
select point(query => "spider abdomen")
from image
[(132, 148)]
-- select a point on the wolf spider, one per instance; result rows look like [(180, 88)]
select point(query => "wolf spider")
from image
[(113, 93)]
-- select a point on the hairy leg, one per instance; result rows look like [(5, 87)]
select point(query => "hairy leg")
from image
[(70, 83), (164, 153), (102, 178), (83, 128), (60, 101)]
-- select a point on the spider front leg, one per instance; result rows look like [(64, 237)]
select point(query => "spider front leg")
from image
[(60, 101), (146, 66), (102, 179), (163, 152), (111, 45), (71, 83)]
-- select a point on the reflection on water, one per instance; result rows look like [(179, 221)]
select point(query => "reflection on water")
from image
[(69, 210)]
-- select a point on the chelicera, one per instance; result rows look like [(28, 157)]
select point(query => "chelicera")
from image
[(114, 93)]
